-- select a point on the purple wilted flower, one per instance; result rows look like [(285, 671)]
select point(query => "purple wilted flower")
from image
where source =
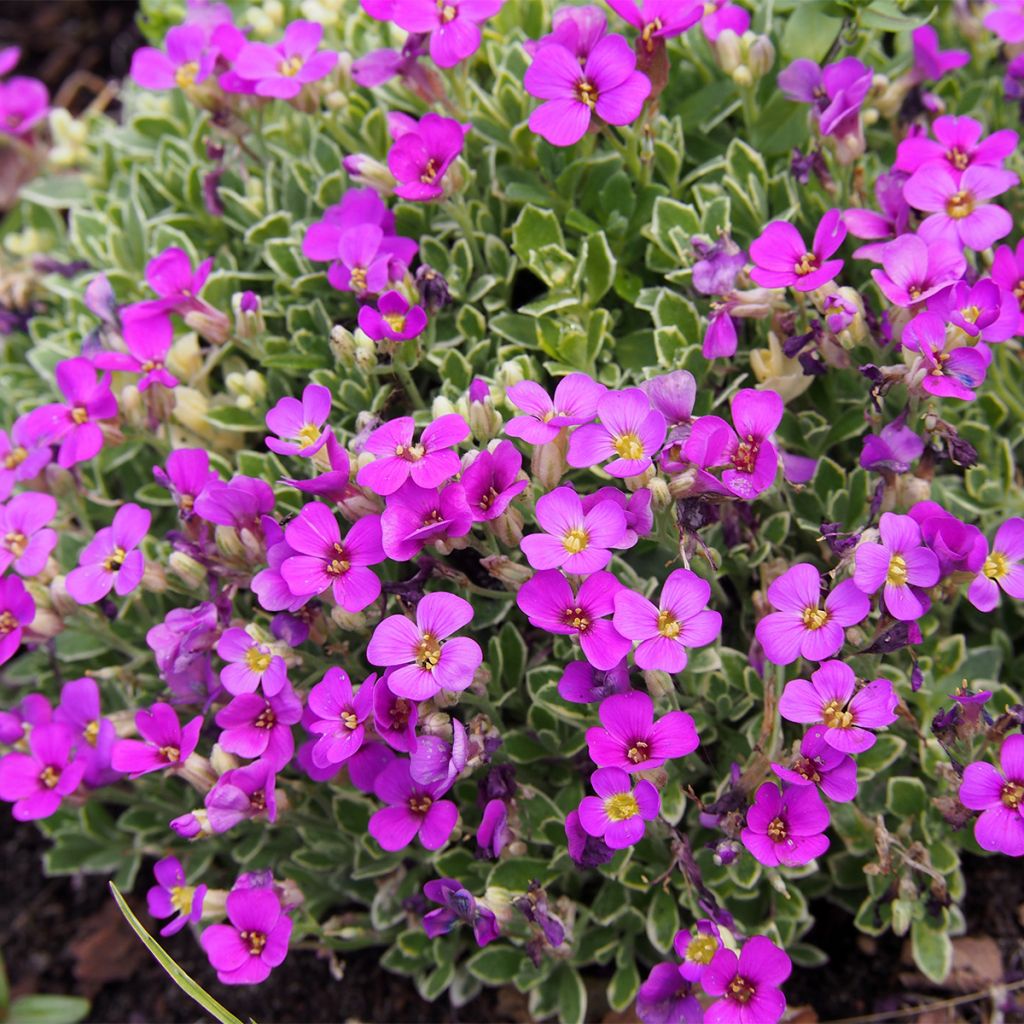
[(416, 810), (697, 948), (394, 717), (549, 603), (620, 811), (148, 341), (666, 997), (453, 25), (636, 508), (322, 560), (244, 951), (493, 835), (785, 828), (958, 546), (747, 450), (189, 60), (748, 984), (1001, 569), (298, 424), (165, 742), (420, 157), (913, 270), (828, 699), (891, 223), (673, 394), (999, 797), (24, 103), (172, 895), (283, 69), (251, 665), (79, 709), (835, 93), (335, 484), (187, 473), (680, 621), (801, 626), (338, 715), (630, 433), (241, 502), (425, 657), (111, 559), (379, 66), (578, 29), (658, 19), (428, 462), (71, 424), (931, 63), (437, 760), (581, 683), (37, 781), (607, 85), (782, 259), (417, 515), (573, 540), (259, 726), (901, 563), (575, 402), (820, 764), (981, 311), (457, 904), (25, 539), (1007, 272), (22, 456), (958, 203), (492, 480), (182, 645), (241, 794), (586, 851), (894, 448), (715, 272), (959, 144), (630, 738), (30, 712), (393, 319)]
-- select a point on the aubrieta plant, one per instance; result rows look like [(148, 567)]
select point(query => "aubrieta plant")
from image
[(533, 488)]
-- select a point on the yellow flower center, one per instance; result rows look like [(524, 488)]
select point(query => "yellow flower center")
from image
[(170, 754), (746, 455), (639, 751), (358, 278), (586, 93), (896, 575), (411, 453), (833, 715), (1012, 795), (186, 74), (115, 560), (349, 720), (629, 446), (621, 807), (429, 172), (777, 830), (807, 264), (575, 541), (181, 898), (49, 776), (8, 623), (290, 67), (15, 457), (808, 768), (91, 733), (399, 714), (79, 414), (959, 205), (396, 321), (254, 941), (420, 803), (648, 34), (740, 991), (668, 624), (308, 435), (257, 660), (996, 566), (958, 158), (446, 11), (16, 543), (267, 719), (339, 565), (428, 652), (814, 618), (576, 618), (702, 949)]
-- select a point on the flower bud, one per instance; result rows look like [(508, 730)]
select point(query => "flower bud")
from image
[(512, 574), (441, 406), (364, 170), (508, 527), (658, 683), (130, 405), (761, 56), (508, 374), (198, 772), (484, 420), (432, 288), (366, 352), (727, 51), (742, 76), (190, 409), (248, 313), (343, 345), (549, 463), (215, 902), (661, 497), (187, 569), (60, 600), (185, 359), (154, 578), (350, 622), (221, 761), (229, 542), (211, 323)]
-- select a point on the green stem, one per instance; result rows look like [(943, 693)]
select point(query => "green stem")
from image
[(460, 214), (408, 384)]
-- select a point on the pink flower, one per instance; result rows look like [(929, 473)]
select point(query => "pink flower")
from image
[(416, 516), (428, 462), (955, 373), (900, 563), (424, 659), (337, 716), (24, 103), (415, 810), (658, 19), (17, 610), (22, 456), (164, 744), (172, 895), (298, 425), (111, 559), (1000, 798), (575, 402), (785, 828), (782, 259), (244, 951), (748, 984), (573, 540), (491, 481), (189, 60), (148, 340), (187, 474), (1002, 569), (549, 603), (664, 633), (631, 739), (801, 627), (959, 144), (913, 270), (1007, 272), (257, 726), (25, 539), (37, 781), (820, 764), (696, 948), (393, 319), (931, 63), (421, 155), (607, 85), (828, 699), (283, 69), (620, 812), (251, 665), (394, 717), (630, 433), (636, 508), (453, 25)]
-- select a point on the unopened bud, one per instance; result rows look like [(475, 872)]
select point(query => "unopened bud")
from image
[(659, 684), (154, 579), (185, 358), (433, 289), (60, 600), (351, 622), (761, 56), (728, 51), (509, 373), (187, 569), (248, 312), (211, 323), (364, 170), (512, 574), (366, 352), (343, 345), (508, 527), (221, 761), (229, 542), (549, 463), (198, 772), (742, 76), (441, 406), (661, 497)]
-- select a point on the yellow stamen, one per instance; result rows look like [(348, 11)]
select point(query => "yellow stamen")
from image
[(290, 67), (254, 941), (420, 804), (181, 898), (428, 652), (896, 575), (576, 618), (257, 661), (308, 435), (960, 205), (629, 446), (186, 74), (702, 949), (1012, 795), (586, 93), (16, 543), (814, 618), (621, 807), (807, 264), (833, 715), (15, 457), (777, 830), (668, 625), (49, 776), (575, 541), (996, 566)]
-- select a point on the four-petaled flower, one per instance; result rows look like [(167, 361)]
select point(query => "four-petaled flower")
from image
[(620, 811), (630, 738), (786, 827), (999, 797), (900, 563), (574, 540), (244, 951), (782, 259)]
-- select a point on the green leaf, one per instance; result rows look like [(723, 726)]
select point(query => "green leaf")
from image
[(932, 949), (810, 31), (230, 417), (47, 1010), (572, 996), (597, 266), (534, 229), (662, 920), (58, 192), (496, 965), (187, 985), (905, 796), (625, 981)]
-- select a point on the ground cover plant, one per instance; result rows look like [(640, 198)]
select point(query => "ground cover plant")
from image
[(531, 488)]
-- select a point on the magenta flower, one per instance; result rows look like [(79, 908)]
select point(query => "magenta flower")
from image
[(492, 480), (437, 760), (187, 474), (415, 516), (457, 904), (549, 603), (748, 984), (453, 25), (172, 895), (334, 484), (22, 456), (244, 951), (415, 810), (781, 259), (283, 69), (298, 424), (575, 402), (30, 712), (79, 709), (697, 948), (900, 563), (37, 781), (177, 286), (424, 659), (751, 457), (630, 433), (393, 319), (658, 19), (982, 311), (394, 717), (9, 57), (892, 222), (896, 447), (428, 463), (820, 764), (586, 851), (242, 794), (801, 626), (666, 997), (958, 203), (148, 341), (620, 811), (828, 699), (493, 834), (1007, 272), (241, 502), (260, 726), (72, 424), (420, 157), (999, 797), (17, 610), (835, 93), (578, 29), (25, 539), (636, 509), (188, 61), (574, 540), (630, 738), (913, 270), (323, 560), (681, 620), (959, 144), (111, 559), (24, 103), (164, 744), (955, 373), (1002, 569), (607, 85), (251, 665), (338, 715), (931, 63), (785, 828)]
